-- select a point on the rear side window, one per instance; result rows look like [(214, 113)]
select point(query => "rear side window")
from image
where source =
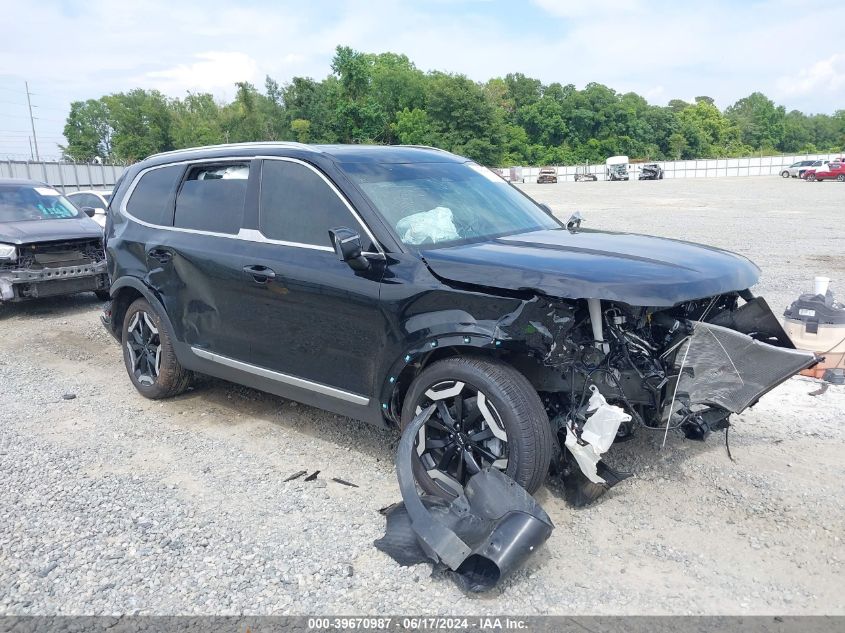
[(212, 198), (298, 206), (152, 199)]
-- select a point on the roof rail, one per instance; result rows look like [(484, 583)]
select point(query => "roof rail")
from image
[(302, 146), (437, 149)]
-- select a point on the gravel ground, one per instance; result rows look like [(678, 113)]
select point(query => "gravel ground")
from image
[(115, 504)]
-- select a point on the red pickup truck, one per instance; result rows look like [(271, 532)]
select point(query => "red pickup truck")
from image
[(835, 170)]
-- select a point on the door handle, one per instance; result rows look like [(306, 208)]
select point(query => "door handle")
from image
[(260, 274), (161, 255)]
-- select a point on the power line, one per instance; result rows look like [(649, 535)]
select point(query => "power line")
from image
[(31, 120)]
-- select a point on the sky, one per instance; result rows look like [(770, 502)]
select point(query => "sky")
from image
[(74, 50)]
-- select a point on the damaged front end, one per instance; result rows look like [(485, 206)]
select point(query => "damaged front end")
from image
[(605, 369), (53, 268)]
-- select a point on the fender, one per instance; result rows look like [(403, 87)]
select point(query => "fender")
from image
[(535, 326), (150, 295)]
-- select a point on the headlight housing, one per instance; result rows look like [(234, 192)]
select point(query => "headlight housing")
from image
[(8, 252)]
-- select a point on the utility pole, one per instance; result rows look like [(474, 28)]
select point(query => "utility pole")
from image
[(32, 121), (31, 155)]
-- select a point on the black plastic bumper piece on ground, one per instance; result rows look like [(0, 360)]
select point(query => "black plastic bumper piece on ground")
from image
[(481, 536)]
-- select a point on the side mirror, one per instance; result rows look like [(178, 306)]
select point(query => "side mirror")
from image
[(347, 245), (89, 211)]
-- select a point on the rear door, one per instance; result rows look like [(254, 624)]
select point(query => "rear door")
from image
[(196, 265), (316, 318)]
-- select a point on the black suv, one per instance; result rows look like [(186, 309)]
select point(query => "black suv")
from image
[(374, 281)]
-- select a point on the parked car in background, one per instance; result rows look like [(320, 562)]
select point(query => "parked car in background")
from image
[(835, 170), (796, 170), (616, 168), (95, 199), (47, 246), (817, 164), (651, 171), (548, 175), (419, 278)]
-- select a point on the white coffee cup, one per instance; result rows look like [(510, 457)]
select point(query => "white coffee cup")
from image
[(820, 285)]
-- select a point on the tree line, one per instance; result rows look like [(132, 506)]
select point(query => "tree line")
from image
[(385, 99)]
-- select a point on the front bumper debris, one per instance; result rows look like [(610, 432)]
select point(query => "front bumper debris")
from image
[(480, 537), (28, 283)]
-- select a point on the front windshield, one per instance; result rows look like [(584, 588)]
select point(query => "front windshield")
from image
[(446, 203), (25, 202)]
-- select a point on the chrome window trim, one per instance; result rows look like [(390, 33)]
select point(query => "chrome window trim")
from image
[(336, 191), (247, 235), (287, 379)]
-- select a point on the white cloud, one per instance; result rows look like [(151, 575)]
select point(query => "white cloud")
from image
[(213, 71), (825, 76), (575, 9)]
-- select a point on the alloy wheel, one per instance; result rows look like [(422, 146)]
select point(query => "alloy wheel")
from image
[(463, 435), (144, 346)]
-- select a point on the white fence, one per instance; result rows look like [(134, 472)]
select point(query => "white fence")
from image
[(702, 168), (66, 177)]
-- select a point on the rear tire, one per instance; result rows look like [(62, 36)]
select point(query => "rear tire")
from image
[(148, 354), (841, 178), (508, 428)]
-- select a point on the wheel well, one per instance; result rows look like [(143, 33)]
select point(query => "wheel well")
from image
[(122, 299), (412, 370)]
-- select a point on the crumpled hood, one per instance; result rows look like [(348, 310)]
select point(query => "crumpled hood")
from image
[(29, 231), (635, 269)]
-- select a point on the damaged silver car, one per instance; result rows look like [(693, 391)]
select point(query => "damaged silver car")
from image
[(377, 282), (47, 246)]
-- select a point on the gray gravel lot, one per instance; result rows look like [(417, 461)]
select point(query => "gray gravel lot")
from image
[(114, 504)]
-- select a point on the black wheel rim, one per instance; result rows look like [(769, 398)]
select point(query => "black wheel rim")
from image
[(464, 435), (144, 346)]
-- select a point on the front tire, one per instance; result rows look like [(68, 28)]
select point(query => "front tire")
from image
[(488, 414), (784, 174), (148, 354), (841, 178)]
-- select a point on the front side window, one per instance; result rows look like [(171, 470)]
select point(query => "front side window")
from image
[(152, 199), (297, 205), (431, 204), (212, 198), (22, 202)]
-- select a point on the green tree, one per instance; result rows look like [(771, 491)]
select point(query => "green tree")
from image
[(142, 122), (196, 121), (88, 131), (759, 120)]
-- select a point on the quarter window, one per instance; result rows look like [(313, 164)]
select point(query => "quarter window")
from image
[(212, 198), (297, 205), (152, 199)]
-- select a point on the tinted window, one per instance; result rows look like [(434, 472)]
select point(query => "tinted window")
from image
[(212, 198), (152, 199), (298, 206)]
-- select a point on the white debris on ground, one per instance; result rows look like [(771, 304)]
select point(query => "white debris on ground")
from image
[(115, 504)]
